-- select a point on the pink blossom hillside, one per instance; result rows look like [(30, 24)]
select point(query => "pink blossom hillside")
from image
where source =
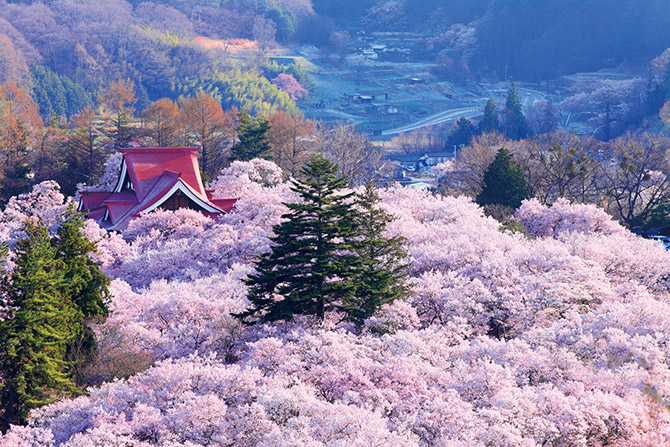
[(557, 336)]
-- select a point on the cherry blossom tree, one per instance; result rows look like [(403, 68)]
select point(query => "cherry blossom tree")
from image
[(288, 83), (562, 216), (45, 202), (556, 336)]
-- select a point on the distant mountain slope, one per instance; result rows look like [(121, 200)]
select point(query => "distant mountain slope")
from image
[(526, 39)]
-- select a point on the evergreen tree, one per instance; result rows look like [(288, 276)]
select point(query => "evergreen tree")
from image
[(53, 294), (287, 23), (659, 217), (77, 96), (489, 122), (504, 182), (86, 286), (35, 335), (253, 137), (462, 133), (57, 95), (48, 92), (56, 91), (312, 265), (41, 98), (516, 125), (383, 260)]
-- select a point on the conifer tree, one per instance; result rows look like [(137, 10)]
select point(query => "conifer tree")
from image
[(52, 295), (253, 137), (85, 287), (504, 182), (383, 260), (489, 122), (312, 266), (516, 125), (35, 335), (462, 133)]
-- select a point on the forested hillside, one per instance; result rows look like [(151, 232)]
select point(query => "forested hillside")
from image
[(155, 44), (528, 40), (67, 50)]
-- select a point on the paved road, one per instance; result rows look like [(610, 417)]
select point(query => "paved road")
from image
[(442, 117), (528, 97)]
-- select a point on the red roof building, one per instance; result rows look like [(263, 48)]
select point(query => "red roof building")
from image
[(151, 178)]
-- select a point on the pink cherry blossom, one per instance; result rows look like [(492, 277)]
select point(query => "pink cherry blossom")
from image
[(558, 336)]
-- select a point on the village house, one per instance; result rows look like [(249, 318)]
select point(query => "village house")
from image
[(153, 178), (420, 162)]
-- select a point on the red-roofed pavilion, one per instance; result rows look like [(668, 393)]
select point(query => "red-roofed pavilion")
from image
[(153, 177)]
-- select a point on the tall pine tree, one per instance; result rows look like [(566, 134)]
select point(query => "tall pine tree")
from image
[(34, 336), (384, 262), (504, 182), (252, 134), (489, 122), (516, 124), (52, 295), (85, 287), (461, 133), (312, 267)]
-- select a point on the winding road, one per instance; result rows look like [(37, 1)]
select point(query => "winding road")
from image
[(442, 117), (528, 97)]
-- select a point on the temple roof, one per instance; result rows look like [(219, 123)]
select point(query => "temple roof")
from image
[(150, 177)]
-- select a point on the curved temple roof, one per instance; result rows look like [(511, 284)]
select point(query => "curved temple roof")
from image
[(149, 177)]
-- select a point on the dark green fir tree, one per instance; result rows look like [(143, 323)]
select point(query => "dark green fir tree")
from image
[(86, 288), (86, 285), (34, 337), (383, 260), (462, 133), (312, 268), (504, 182), (489, 122), (252, 135), (516, 124)]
